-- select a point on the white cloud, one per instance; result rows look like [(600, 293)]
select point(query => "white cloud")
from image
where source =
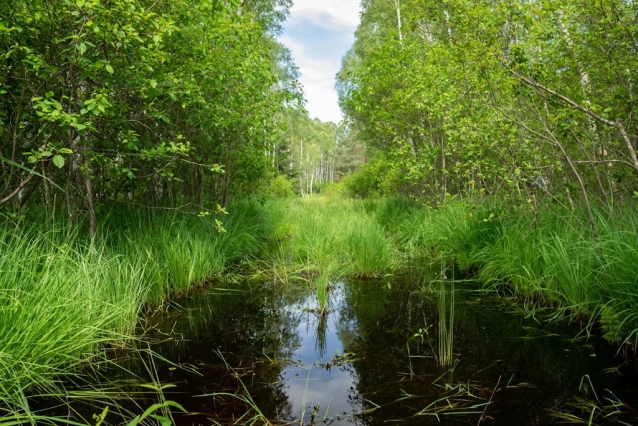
[(345, 12), (319, 33)]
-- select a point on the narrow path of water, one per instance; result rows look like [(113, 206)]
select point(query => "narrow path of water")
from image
[(376, 358)]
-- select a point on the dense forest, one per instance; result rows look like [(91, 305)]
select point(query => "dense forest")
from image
[(150, 146), (481, 98), (152, 104)]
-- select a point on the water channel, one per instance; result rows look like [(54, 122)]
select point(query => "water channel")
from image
[(392, 351)]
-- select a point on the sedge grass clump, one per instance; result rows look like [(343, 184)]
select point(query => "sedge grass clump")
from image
[(513, 261), (65, 300), (446, 323), (368, 250), (315, 242), (322, 282), (571, 273), (57, 311), (391, 212)]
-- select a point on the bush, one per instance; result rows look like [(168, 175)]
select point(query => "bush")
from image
[(336, 190), (282, 186), (367, 181)]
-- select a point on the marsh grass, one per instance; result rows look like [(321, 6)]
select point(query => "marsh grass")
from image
[(551, 260), (65, 302), (322, 284), (342, 237), (446, 323), (368, 250), (544, 258)]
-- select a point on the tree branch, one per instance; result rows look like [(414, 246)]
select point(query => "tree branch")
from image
[(617, 124)]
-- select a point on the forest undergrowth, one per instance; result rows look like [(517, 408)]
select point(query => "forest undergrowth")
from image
[(65, 301)]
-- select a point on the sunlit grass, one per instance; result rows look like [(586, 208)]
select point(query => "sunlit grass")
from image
[(552, 260), (64, 301)]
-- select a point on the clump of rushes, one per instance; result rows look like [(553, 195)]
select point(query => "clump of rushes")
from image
[(322, 283), (60, 304), (64, 301), (446, 323), (550, 258), (368, 250)]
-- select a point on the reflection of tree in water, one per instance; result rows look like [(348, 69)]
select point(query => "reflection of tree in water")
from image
[(253, 332), (377, 323)]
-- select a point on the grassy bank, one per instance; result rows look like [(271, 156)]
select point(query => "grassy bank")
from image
[(64, 301), (549, 258), (326, 238)]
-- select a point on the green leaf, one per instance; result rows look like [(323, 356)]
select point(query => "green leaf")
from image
[(58, 160), (20, 166), (164, 421), (65, 151), (82, 48), (109, 68), (102, 416), (134, 422)]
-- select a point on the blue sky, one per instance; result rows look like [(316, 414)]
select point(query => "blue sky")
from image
[(319, 32)]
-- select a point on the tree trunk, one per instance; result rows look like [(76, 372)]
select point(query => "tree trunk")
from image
[(89, 199)]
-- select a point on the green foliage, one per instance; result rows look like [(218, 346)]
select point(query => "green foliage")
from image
[(282, 187), (139, 100), (367, 181), (65, 301), (368, 251), (334, 190), (477, 98), (547, 259)]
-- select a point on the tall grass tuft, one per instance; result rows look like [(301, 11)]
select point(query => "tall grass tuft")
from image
[(65, 301), (368, 251), (446, 323), (60, 304), (547, 257)]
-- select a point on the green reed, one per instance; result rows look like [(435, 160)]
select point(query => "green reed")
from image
[(547, 257), (446, 323)]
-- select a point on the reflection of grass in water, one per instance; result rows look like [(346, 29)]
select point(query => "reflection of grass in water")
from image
[(446, 323), (320, 340)]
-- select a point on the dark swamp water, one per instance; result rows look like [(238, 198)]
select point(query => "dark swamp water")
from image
[(375, 359)]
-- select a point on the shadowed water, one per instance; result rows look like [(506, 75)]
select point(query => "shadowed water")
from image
[(404, 350), (375, 358)]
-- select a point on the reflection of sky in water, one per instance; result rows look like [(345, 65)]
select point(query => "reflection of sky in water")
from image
[(309, 379)]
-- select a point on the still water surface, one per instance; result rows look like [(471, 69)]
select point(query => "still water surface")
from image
[(375, 359)]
